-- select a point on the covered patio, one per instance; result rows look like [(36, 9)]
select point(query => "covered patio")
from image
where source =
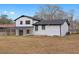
[(7, 29), (23, 31)]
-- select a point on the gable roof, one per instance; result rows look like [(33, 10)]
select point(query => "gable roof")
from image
[(27, 17), (52, 22)]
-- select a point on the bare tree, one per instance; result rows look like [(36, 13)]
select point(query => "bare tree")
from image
[(48, 12), (71, 14), (73, 23)]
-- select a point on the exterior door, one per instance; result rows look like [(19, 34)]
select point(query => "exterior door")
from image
[(28, 31), (20, 32)]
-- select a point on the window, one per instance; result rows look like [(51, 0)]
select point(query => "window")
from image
[(36, 28), (21, 22), (43, 27), (28, 22)]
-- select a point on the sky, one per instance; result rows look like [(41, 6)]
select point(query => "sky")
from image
[(16, 10)]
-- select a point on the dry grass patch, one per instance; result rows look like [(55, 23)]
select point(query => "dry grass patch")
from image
[(39, 44)]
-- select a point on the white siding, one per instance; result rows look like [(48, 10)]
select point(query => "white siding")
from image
[(23, 19), (50, 30), (64, 29)]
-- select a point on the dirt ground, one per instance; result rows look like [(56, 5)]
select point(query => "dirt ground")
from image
[(39, 44)]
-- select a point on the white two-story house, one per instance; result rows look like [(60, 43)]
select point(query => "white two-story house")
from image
[(26, 25)]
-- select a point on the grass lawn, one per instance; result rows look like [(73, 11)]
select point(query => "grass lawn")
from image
[(39, 44)]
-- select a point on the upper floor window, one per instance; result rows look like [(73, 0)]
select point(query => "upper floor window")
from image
[(43, 27), (21, 22), (27, 22)]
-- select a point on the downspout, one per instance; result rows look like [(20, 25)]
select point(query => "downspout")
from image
[(60, 30)]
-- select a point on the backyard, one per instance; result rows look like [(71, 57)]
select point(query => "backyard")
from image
[(39, 44)]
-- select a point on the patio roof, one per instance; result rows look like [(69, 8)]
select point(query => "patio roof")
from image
[(7, 25)]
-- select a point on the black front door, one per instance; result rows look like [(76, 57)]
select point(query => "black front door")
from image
[(28, 31), (20, 32)]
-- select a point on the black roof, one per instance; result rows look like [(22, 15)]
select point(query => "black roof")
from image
[(51, 22), (27, 17)]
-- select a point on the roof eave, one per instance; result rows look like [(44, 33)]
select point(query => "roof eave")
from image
[(47, 24), (26, 16)]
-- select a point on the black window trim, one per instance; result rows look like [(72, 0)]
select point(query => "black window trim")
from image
[(36, 27), (21, 22), (43, 27), (27, 22)]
